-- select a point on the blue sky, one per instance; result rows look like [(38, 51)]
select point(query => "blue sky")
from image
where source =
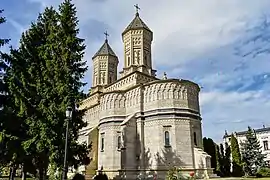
[(221, 45)]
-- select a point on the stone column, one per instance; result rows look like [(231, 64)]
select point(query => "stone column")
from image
[(140, 132)]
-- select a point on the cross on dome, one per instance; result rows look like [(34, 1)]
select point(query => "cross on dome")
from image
[(106, 35), (137, 9)]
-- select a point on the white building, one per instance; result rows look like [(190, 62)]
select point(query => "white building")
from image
[(263, 135), (140, 125)]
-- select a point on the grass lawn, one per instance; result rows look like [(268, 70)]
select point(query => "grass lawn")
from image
[(232, 178)]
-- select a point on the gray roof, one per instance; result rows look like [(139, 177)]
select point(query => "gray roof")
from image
[(105, 50), (241, 133), (136, 23)]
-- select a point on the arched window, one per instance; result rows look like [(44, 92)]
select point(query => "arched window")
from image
[(167, 138), (119, 142), (195, 138)]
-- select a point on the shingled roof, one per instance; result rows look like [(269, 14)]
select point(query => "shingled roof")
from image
[(136, 23), (105, 50)]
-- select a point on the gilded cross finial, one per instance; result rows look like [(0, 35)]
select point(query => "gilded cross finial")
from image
[(106, 35), (137, 9)]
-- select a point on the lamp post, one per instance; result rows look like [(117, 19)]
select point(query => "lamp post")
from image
[(68, 117)]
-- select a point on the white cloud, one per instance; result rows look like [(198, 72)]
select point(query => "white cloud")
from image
[(194, 39), (233, 111)]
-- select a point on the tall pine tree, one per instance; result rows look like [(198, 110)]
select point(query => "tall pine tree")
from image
[(3, 66), (227, 160), (11, 126), (210, 148), (253, 158), (237, 166), (66, 66), (218, 160), (25, 83), (49, 67)]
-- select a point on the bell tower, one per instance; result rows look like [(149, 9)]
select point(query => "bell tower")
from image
[(137, 39), (105, 64)]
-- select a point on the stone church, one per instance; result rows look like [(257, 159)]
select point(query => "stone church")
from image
[(141, 126)]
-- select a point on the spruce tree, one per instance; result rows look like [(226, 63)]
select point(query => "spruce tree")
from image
[(253, 158), (48, 67), (25, 81), (218, 160), (3, 66), (63, 53), (210, 148), (11, 130), (237, 166), (222, 160), (227, 160)]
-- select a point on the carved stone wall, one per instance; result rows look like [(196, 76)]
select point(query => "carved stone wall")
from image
[(109, 157), (168, 105)]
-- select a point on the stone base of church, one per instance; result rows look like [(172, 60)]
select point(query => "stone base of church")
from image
[(156, 174)]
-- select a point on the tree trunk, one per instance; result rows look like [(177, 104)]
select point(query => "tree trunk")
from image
[(41, 174), (23, 172), (12, 173), (45, 173)]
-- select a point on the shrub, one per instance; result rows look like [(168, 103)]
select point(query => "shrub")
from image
[(263, 172)]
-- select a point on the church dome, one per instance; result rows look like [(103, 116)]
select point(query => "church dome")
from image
[(136, 23), (105, 50)]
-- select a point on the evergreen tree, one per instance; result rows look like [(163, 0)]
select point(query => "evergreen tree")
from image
[(3, 66), (222, 161), (253, 158), (67, 68), (11, 126), (218, 160), (210, 148), (25, 83), (237, 167), (49, 67), (227, 160)]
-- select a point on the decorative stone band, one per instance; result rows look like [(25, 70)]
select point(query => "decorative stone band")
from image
[(166, 113)]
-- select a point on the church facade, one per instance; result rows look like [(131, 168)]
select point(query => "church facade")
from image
[(139, 125)]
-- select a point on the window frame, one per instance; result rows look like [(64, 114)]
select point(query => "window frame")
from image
[(195, 140), (102, 142), (167, 139), (265, 145)]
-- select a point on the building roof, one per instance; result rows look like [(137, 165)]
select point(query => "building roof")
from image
[(136, 23), (105, 50), (264, 129)]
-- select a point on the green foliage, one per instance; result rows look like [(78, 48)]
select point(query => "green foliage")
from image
[(218, 160), (210, 148), (12, 131), (44, 78), (252, 156), (221, 161), (176, 174), (227, 160), (263, 172), (237, 165)]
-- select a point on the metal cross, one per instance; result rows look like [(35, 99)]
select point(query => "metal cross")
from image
[(137, 8), (106, 35)]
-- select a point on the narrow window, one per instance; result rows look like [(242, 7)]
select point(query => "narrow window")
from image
[(265, 145), (110, 79), (102, 142), (128, 61), (195, 138), (119, 142), (167, 138), (96, 80)]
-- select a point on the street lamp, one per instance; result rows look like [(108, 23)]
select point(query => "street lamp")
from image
[(68, 117)]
